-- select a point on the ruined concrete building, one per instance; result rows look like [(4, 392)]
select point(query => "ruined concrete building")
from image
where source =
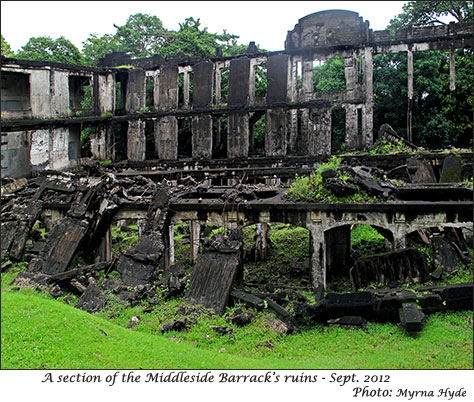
[(43, 116), (143, 111)]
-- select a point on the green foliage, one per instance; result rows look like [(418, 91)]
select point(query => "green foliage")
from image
[(6, 50), (142, 35), (423, 13), (95, 48), (386, 147), (40, 333), (311, 188), (43, 48), (366, 240), (287, 240), (86, 134), (144, 109), (330, 76), (122, 240), (441, 117)]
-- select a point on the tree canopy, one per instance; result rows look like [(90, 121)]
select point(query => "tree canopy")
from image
[(422, 13), (6, 50), (44, 48), (441, 117)]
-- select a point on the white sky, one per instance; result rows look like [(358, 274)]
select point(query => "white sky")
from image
[(265, 22)]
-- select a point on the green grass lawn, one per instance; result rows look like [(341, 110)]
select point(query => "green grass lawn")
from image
[(41, 333)]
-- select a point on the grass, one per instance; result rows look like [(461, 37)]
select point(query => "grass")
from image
[(41, 333)]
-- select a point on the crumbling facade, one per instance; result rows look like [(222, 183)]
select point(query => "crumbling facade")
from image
[(144, 109), (145, 113)]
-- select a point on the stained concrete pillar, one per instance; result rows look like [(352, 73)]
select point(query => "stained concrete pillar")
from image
[(239, 81), (277, 79), (452, 69), (318, 259), (292, 78), (195, 232), (168, 88), (136, 140), (135, 98), (368, 108), (292, 131), (307, 79), (202, 84), (171, 256), (166, 138), (202, 136), (238, 136), (275, 132), (98, 144), (218, 76), (352, 142), (186, 89), (350, 71), (104, 252), (319, 131), (261, 241), (410, 96), (399, 231)]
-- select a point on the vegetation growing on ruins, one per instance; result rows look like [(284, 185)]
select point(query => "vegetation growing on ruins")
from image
[(313, 188), (40, 333)]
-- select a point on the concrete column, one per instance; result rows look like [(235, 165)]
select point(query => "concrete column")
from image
[(261, 241), (98, 143), (368, 109), (195, 231), (166, 138), (238, 136), (318, 259), (292, 131), (350, 70), (319, 131), (252, 82), (308, 79), (202, 136), (218, 84), (351, 127), (171, 243), (399, 231), (105, 248), (452, 70), (410, 96), (292, 78), (275, 132), (136, 140), (186, 89)]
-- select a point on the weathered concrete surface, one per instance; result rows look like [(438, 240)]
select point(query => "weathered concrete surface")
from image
[(401, 266), (214, 273)]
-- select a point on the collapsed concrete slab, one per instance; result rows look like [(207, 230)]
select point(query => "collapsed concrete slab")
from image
[(214, 274)]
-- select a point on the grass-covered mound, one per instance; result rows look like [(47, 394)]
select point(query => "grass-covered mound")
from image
[(42, 333)]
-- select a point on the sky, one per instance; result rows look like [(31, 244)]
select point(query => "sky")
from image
[(264, 22)]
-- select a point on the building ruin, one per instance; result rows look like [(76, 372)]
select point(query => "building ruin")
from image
[(144, 112)]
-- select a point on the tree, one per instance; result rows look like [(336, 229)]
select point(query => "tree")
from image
[(441, 117), (142, 35), (423, 13), (6, 49), (94, 48), (43, 48), (330, 76), (191, 40)]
